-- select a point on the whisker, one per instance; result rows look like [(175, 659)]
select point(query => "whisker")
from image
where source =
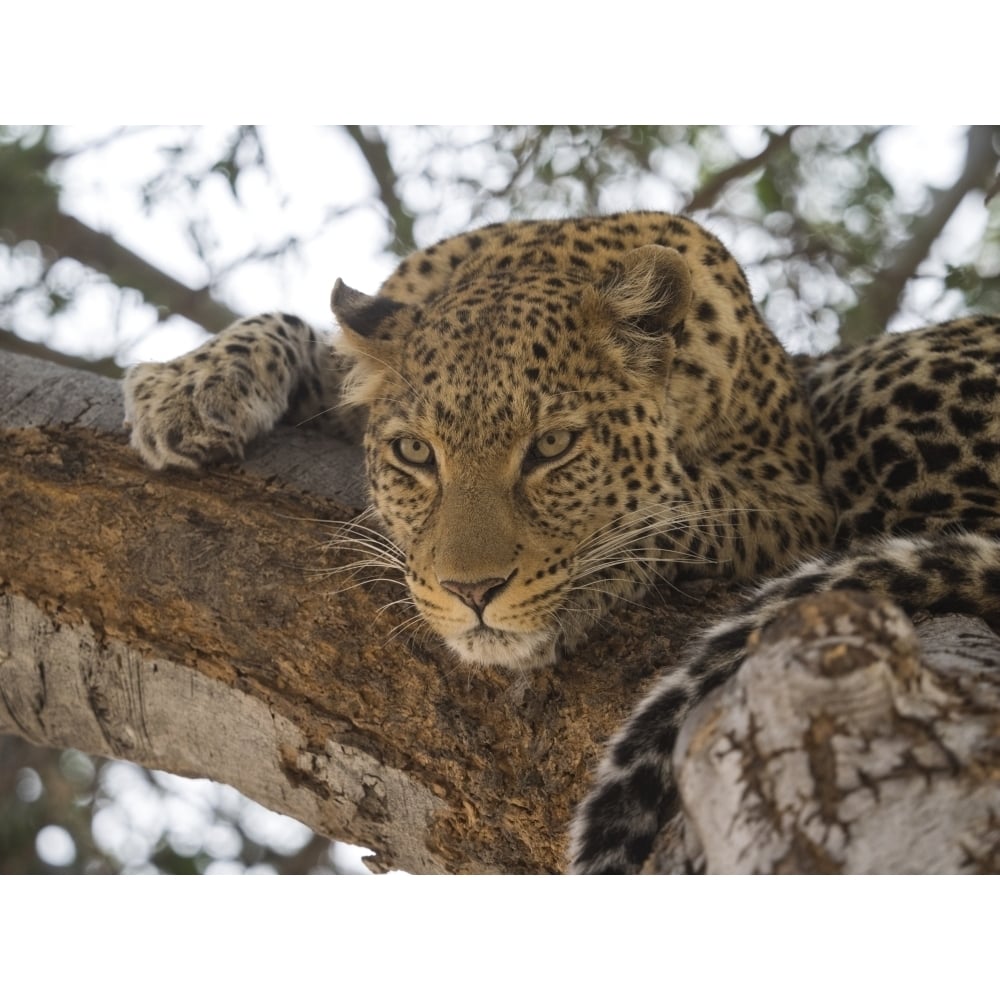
[(407, 624), (367, 582)]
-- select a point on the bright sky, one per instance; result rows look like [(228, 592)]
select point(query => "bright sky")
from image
[(102, 189)]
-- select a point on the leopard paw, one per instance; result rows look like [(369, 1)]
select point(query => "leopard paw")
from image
[(190, 413)]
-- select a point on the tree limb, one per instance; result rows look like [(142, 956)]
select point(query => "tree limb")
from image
[(29, 211), (705, 197), (175, 620), (69, 237), (192, 623), (879, 300), (376, 156), (13, 343), (849, 743)]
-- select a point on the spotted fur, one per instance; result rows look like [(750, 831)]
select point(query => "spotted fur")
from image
[(909, 432), (560, 413)]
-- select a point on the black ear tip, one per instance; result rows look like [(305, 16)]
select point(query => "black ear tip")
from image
[(339, 294), (364, 314), (345, 299)]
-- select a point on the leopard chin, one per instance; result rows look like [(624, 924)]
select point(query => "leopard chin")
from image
[(516, 651)]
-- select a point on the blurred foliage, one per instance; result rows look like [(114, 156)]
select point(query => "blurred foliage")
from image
[(843, 230), (65, 812)]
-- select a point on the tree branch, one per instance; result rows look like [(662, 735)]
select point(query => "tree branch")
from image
[(67, 236), (11, 342), (176, 620), (879, 300), (848, 743), (199, 624), (376, 155), (706, 196)]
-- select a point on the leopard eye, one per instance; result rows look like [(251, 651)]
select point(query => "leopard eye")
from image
[(413, 451), (551, 445)]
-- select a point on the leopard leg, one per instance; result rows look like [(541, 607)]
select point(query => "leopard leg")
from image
[(209, 403)]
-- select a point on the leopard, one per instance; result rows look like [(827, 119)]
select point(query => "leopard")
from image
[(559, 415)]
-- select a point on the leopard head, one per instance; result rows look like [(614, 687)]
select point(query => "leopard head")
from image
[(519, 444)]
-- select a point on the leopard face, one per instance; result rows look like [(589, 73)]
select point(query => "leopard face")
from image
[(517, 437)]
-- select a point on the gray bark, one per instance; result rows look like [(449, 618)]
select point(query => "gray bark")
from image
[(851, 743)]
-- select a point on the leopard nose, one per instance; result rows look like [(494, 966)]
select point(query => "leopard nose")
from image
[(478, 593)]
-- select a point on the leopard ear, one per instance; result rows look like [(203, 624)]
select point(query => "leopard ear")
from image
[(649, 294), (650, 289), (370, 328), (370, 317)]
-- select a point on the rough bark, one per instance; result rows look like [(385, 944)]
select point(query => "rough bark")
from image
[(849, 742), (191, 623)]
